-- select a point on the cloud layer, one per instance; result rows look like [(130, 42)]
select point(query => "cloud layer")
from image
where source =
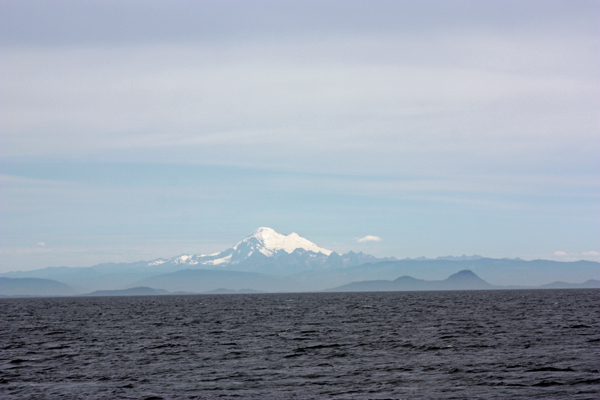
[(586, 255), (382, 97), (369, 238), (473, 125)]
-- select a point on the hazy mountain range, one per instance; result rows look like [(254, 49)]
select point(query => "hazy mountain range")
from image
[(462, 280), (272, 262), (34, 287)]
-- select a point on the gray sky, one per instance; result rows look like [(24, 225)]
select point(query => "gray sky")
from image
[(142, 129)]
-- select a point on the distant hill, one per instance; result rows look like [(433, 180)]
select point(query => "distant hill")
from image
[(590, 284), (203, 280), (465, 280), (136, 291), (230, 291), (462, 280), (498, 271), (34, 287)]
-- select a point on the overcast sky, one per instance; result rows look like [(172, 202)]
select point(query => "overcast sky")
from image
[(134, 130)]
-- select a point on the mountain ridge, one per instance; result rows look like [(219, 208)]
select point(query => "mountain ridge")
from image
[(263, 251), (462, 280), (34, 287), (311, 267), (204, 280)]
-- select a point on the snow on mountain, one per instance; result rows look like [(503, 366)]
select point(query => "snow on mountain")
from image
[(262, 245), (218, 261), (266, 251), (269, 242)]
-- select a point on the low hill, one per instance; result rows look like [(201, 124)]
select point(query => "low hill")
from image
[(589, 284), (463, 280), (34, 287), (204, 280), (229, 291), (136, 291), (506, 272)]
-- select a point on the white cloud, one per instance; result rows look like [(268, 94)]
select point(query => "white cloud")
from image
[(586, 255), (591, 255), (42, 244), (369, 238)]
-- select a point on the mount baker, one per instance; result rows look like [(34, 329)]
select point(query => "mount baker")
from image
[(270, 261), (268, 251)]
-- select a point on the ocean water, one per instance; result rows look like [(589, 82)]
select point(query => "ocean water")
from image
[(412, 345)]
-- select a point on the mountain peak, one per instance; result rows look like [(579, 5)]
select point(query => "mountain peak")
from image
[(264, 233), (465, 272), (268, 241), (466, 279)]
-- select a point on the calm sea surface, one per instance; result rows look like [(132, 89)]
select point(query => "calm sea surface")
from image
[(413, 345)]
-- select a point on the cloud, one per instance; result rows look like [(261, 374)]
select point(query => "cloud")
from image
[(586, 255), (349, 103), (591, 253), (42, 244), (369, 238)]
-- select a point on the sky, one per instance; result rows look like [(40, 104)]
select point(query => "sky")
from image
[(132, 130)]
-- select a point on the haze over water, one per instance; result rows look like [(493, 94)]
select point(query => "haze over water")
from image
[(417, 345)]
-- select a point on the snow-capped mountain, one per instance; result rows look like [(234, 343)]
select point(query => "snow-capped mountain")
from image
[(270, 243), (299, 265), (266, 250)]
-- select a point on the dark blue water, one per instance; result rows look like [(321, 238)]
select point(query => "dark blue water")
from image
[(415, 345)]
